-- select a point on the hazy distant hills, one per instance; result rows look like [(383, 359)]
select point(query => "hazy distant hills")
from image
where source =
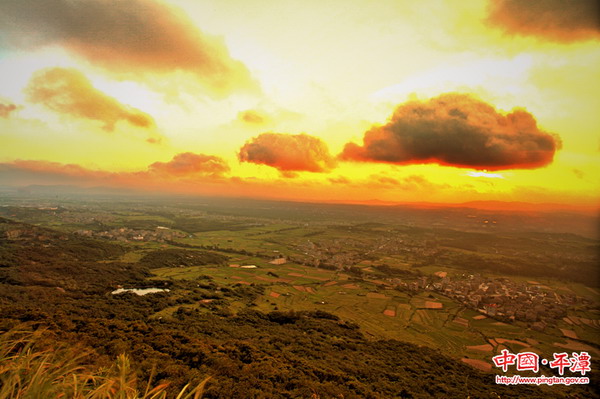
[(473, 215)]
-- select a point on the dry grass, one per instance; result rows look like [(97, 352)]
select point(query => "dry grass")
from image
[(29, 372)]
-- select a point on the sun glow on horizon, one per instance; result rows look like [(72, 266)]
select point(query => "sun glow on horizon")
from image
[(486, 174)]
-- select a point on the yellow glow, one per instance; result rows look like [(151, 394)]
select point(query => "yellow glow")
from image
[(332, 70)]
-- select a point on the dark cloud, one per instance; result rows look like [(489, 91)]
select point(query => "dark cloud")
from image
[(288, 152), (456, 130), (339, 180), (6, 109), (126, 37), (184, 167), (252, 117), (188, 164), (412, 183), (579, 173), (555, 20), (22, 172), (68, 91), (385, 180)]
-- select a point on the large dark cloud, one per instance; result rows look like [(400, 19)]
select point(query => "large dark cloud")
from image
[(68, 91), (6, 109), (127, 37), (288, 152), (456, 130), (556, 20)]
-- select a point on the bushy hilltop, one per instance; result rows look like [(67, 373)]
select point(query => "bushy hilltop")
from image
[(62, 282)]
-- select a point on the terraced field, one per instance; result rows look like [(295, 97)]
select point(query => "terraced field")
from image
[(426, 318)]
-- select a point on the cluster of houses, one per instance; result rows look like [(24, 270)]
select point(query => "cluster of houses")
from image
[(341, 252), (503, 298), (30, 234), (80, 216), (335, 253), (160, 234)]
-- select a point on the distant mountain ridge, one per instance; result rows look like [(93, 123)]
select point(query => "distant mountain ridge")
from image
[(518, 206)]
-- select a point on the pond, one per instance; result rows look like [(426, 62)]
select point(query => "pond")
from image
[(139, 291)]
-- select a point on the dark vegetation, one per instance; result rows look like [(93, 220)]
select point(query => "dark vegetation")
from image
[(193, 225), (387, 270), (46, 258), (561, 256), (179, 257)]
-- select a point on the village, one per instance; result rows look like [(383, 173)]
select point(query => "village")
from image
[(500, 298), (159, 234), (338, 253)]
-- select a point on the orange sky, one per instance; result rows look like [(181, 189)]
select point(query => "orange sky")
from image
[(436, 101)]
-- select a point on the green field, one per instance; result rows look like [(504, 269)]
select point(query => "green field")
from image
[(452, 328)]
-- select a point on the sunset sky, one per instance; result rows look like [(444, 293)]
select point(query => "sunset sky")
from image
[(401, 101)]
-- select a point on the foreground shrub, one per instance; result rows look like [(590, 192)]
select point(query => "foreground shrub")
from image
[(28, 371)]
